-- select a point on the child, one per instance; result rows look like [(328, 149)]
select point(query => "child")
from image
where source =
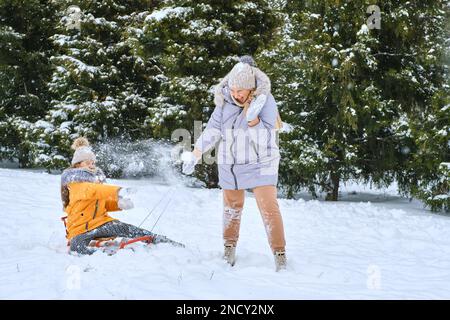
[(87, 201)]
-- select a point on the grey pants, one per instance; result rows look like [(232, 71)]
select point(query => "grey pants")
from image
[(116, 228)]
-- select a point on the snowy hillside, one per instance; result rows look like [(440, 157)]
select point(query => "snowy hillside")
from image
[(386, 248)]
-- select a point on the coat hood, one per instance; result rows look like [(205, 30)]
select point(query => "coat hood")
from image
[(82, 175)]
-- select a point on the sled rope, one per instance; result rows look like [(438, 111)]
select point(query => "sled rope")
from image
[(164, 210), (153, 209)]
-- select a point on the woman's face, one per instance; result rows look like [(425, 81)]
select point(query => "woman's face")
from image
[(240, 95), (88, 164)]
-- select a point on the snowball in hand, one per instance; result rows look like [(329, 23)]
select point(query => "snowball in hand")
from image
[(189, 162), (125, 204)]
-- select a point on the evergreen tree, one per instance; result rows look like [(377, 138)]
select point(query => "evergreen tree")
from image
[(345, 87), (25, 69), (427, 173), (196, 43), (101, 87)]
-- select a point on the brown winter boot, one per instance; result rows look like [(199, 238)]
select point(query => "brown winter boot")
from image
[(230, 254), (280, 260)]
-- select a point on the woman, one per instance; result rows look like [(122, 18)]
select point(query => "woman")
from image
[(245, 121), (87, 201)]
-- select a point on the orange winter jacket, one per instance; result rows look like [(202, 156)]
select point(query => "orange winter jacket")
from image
[(88, 206)]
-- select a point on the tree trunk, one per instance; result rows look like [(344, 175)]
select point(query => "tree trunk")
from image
[(334, 192)]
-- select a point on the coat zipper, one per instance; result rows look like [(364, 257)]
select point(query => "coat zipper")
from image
[(96, 208), (254, 148), (231, 150)]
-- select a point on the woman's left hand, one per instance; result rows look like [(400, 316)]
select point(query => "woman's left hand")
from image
[(253, 122), (255, 107)]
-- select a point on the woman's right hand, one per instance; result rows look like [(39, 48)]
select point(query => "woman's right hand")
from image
[(190, 159)]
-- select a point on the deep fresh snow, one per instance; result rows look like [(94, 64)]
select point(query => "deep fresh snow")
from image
[(371, 245)]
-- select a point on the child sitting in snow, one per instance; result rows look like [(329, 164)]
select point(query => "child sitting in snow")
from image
[(87, 201)]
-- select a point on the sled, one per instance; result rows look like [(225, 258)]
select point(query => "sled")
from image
[(113, 244), (120, 244)]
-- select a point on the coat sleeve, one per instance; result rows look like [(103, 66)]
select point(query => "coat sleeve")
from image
[(93, 191), (266, 128), (112, 205), (212, 132)]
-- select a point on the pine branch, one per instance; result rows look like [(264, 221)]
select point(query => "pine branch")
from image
[(394, 54)]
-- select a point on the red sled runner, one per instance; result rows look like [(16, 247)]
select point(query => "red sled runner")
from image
[(112, 245)]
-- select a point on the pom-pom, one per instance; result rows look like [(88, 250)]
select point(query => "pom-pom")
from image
[(80, 142), (248, 60)]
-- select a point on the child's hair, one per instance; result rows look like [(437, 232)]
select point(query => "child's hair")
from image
[(77, 143), (64, 196), (76, 165)]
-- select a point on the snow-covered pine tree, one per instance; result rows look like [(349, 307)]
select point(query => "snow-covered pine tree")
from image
[(25, 49), (196, 43), (344, 85), (101, 86), (417, 78), (427, 172)]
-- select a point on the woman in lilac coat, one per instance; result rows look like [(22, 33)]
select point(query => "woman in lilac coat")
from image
[(245, 121)]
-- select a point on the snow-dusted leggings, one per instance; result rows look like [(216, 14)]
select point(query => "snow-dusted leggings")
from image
[(115, 228), (266, 199)]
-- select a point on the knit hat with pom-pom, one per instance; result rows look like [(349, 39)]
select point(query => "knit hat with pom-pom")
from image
[(244, 75), (83, 151)]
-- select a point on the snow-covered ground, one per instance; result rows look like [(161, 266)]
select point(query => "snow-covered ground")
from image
[(371, 245)]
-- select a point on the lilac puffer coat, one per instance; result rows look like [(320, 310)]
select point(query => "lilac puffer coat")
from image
[(247, 157)]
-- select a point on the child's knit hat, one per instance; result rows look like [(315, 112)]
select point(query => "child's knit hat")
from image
[(83, 151)]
